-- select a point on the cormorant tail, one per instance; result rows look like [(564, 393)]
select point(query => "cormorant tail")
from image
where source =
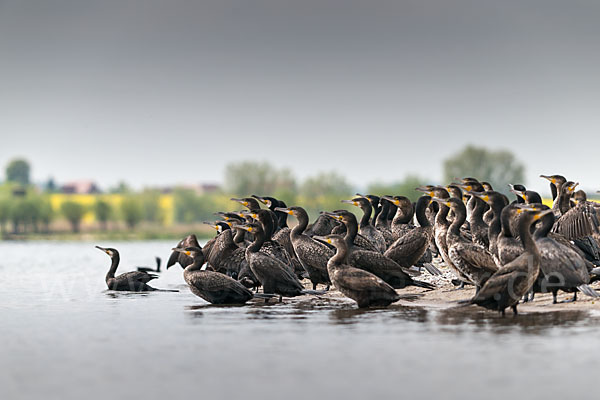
[(314, 292), (265, 296), (424, 285), (588, 291), (432, 269)]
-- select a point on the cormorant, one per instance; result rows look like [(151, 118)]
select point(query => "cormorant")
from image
[(562, 268), (181, 258), (273, 274), (365, 227), (312, 254), (473, 262), (149, 269), (214, 287), (135, 281), (510, 283), (411, 246), (402, 222), (361, 286), (371, 260)]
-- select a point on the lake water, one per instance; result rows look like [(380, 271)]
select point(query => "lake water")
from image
[(63, 336)]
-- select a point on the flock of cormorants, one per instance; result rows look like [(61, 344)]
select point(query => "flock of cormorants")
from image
[(508, 250)]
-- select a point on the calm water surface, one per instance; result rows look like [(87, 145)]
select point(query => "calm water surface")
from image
[(63, 336)]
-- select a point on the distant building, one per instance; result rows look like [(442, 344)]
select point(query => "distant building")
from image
[(80, 187)]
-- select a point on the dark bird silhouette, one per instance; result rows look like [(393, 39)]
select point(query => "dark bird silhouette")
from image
[(135, 281), (359, 285)]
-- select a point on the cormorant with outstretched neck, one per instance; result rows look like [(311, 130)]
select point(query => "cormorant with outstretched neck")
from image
[(365, 227), (373, 261), (214, 287), (508, 285), (312, 254), (359, 285), (273, 274), (149, 269), (473, 262), (135, 281)]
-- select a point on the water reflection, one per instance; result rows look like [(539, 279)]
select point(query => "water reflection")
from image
[(470, 318)]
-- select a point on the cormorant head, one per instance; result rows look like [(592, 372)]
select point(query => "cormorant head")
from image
[(487, 186), (399, 201), (251, 227), (519, 191), (579, 197), (228, 216), (190, 251), (471, 186), (336, 240), (294, 211), (358, 202), (267, 201), (557, 180), (248, 202), (570, 186), (451, 202), (112, 253)]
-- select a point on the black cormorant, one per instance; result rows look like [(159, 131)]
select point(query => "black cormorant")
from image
[(365, 227), (149, 269), (214, 287), (312, 254), (510, 283), (135, 281), (359, 285)]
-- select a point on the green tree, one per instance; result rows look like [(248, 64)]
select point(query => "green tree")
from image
[(189, 207), (261, 178), (74, 213), (151, 204), (102, 211), (46, 212), (18, 171), (5, 213), (132, 211), (324, 191), (405, 187), (121, 188), (499, 167)]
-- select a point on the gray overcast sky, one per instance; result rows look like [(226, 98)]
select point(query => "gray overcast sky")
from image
[(157, 92)]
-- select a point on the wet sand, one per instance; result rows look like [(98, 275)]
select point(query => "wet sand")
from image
[(446, 296)]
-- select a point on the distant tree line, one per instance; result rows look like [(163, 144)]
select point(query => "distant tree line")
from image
[(24, 209)]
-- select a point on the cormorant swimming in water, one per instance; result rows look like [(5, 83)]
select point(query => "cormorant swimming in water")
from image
[(149, 269), (135, 281)]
